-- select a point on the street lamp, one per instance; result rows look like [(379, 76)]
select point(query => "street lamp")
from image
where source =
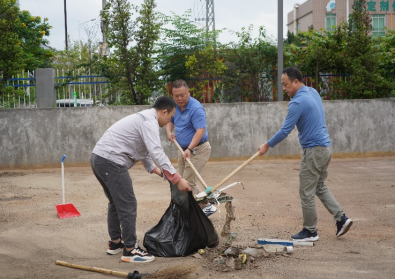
[(79, 37)]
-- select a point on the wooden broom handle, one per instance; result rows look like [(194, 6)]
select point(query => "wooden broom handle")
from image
[(191, 165), (235, 171), (95, 269)]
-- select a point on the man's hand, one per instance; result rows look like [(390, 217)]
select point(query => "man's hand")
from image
[(171, 137), (157, 172), (169, 131), (187, 154), (263, 149), (183, 185)]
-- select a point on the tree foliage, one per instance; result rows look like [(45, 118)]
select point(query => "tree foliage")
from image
[(22, 40), (32, 31), (130, 68), (349, 51), (361, 57), (181, 38), (11, 51), (251, 63), (205, 67)]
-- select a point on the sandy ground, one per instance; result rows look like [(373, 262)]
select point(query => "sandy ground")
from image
[(32, 237)]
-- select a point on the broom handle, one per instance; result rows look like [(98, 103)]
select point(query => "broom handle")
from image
[(95, 269), (191, 165), (235, 171), (64, 157)]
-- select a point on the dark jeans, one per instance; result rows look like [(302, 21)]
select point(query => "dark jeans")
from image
[(122, 207)]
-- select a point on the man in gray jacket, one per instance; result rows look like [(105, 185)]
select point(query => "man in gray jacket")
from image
[(132, 139)]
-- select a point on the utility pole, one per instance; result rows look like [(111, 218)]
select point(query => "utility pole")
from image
[(103, 27), (347, 11), (65, 24), (210, 19), (104, 3), (280, 49)]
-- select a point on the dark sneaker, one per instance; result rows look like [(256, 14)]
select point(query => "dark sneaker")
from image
[(137, 255), (343, 226), (209, 209), (115, 248), (305, 235)]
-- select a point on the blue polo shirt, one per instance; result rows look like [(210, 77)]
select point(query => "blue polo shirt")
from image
[(306, 112), (193, 117)]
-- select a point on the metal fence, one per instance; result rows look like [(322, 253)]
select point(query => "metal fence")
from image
[(28, 98), (90, 89), (80, 87)]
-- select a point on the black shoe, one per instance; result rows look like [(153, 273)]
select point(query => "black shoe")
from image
[(115, 248), (136, 255), (305, 235), (343, 226)]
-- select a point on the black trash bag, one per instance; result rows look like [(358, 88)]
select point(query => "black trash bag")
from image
[(182, 230)]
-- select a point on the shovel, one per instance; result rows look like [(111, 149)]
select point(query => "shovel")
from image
[(66, 210)]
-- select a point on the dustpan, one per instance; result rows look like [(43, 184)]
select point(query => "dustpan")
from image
[(66, 210)]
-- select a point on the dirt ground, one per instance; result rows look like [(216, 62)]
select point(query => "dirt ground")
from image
[(32, 237)]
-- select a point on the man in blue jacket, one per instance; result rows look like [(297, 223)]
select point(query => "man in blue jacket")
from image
[(307, 112)]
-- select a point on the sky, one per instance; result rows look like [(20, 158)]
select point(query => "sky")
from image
[(83, 15)]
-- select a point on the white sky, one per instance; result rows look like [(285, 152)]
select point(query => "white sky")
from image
[(230, 14)]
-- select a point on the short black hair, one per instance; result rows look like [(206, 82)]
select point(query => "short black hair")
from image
[(164, 102), (293, 73), (179, 83)]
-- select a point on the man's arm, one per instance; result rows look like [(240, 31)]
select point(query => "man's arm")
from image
[(194, 142), (290, 121), (169, 131), (150, 136)]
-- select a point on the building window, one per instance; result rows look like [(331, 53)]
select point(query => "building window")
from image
[(330, 21), (378, 25)]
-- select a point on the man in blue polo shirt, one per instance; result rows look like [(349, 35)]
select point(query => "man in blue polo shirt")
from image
[(191, 133), (307, 112)]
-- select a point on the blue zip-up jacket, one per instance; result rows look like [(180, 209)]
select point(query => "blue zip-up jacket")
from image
[(306, 112)]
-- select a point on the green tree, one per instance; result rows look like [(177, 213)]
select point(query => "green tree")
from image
[(386, 47), (204, 67), (147, 35), (182, 38), (119, 33), (32, 31), (130, 67), (251, 64), (11, 52), (349, 50), (361, 58), (318, 52)]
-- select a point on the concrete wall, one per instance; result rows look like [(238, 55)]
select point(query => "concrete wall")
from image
[(39, 137)]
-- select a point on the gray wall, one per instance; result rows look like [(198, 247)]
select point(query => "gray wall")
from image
[(39, 137)]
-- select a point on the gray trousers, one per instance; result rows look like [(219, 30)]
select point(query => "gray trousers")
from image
[(313, 172), (122, 206)]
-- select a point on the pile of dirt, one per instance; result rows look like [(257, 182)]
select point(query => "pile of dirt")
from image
[(228, 258)]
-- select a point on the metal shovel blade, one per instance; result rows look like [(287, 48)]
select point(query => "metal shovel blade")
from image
[(67, 210)]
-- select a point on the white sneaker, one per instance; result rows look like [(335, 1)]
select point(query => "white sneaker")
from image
[(209, 209)]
